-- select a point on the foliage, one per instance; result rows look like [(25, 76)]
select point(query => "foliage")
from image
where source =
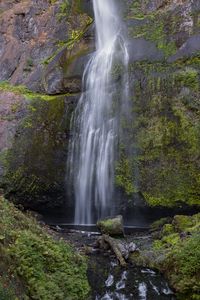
[(183, 265), (124, 178), (180, 240), (47, 268), (188, 78)]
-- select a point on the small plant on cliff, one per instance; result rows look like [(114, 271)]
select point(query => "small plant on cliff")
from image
[(64, 9)]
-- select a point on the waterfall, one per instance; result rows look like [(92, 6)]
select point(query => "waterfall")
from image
[(95, 123)]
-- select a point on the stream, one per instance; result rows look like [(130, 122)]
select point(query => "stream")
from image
[(110, 281)]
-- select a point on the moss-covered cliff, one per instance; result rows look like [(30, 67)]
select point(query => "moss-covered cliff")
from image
[(160, 151), (38, 93)]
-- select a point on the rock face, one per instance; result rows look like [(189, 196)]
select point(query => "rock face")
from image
[(35, 33), (160, 147), (44, 45), (111, 226), (34, 136), (12, 110)]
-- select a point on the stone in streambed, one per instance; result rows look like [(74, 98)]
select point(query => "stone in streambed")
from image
[(112, 226)]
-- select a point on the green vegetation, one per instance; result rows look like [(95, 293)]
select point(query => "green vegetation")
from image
[(124, 176), (22, 90), (158, 27), (64, 8), (154, 30), (76, 31), (43, 128), (188, 78), (112, 226), (136, 11), (163, 138), (43, 267), (77, 24), (180, 243)]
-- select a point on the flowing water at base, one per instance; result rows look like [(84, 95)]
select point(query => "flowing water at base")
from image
[(107, 279), (111, 282)]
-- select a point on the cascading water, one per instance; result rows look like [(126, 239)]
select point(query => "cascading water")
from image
[(95, 124)]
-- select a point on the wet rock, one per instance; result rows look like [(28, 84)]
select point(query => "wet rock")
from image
[(32, 33), (132, 247), (140, 50), (63, 73), (12, 111), (112, 226), (189, 48)]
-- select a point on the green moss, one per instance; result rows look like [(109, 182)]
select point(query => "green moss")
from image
[(158, 201), (34, 168), (167, 229), (77, 24), (124, 176), (22, 90), (154, 29), (163, 138), (181, 253), (157, 225), (188, 78), (170, 239), (113, 227), (64, 8), (183, 223), (47, 269), (135, 11)]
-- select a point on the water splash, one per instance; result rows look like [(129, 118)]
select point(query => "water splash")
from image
[(142, 288), (95, 126)]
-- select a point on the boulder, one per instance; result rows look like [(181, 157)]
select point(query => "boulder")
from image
[(112, 226)]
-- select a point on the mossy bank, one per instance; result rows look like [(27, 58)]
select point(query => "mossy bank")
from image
[(34, 264), (175, 251)]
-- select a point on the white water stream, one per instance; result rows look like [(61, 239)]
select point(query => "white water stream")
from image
[(95, 125)]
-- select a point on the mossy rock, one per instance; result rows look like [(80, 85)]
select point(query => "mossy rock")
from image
[(158, 225), (111, 226), (183, 223)]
